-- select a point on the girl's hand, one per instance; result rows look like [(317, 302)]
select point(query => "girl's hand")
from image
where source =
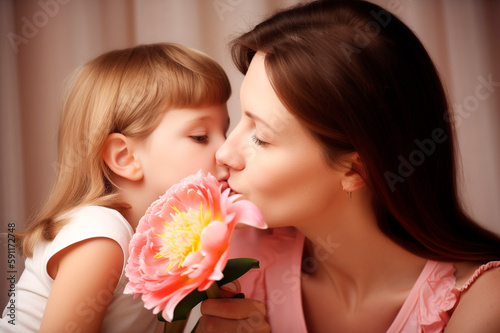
[(228, 314)]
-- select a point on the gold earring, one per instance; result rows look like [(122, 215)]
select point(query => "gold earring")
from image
[(350, 193)]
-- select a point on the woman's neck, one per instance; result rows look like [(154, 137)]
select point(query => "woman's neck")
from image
[(355, 257)]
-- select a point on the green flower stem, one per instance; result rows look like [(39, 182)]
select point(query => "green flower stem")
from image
[(175, 326), (234, 269), (213, 291)]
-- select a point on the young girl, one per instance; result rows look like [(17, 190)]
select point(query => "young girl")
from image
[(353, 168), (135, 121)]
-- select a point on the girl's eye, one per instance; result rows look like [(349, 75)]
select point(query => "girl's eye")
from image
[(200, 138), (258, 142)]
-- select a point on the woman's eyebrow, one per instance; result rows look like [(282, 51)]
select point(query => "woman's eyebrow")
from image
[(257, 119)]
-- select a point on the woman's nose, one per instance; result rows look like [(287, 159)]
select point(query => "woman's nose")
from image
[(229, 155)]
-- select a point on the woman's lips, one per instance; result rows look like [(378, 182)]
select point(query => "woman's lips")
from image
[(232, 191)]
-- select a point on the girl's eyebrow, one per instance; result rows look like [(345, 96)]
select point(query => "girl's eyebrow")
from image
[(198, 118)]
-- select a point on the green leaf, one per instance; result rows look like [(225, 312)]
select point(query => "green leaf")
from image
[(234, 269), (188, 303)]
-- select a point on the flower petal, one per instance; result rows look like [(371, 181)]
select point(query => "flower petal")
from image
[(214, 237)]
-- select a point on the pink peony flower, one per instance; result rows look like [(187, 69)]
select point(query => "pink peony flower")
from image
[(182, 242)]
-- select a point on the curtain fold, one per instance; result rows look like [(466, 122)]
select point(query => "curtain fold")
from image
[(474, 87), (12, 203)]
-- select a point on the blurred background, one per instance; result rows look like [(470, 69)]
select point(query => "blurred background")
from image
[(43, 41)]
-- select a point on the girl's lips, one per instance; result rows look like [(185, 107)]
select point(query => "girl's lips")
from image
[(223, 184)]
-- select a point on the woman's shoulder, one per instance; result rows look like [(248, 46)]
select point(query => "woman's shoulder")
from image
[(479, 305), (468, 273), (449, 293)]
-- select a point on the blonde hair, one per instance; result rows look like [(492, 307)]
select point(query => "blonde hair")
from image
[(123, 91)]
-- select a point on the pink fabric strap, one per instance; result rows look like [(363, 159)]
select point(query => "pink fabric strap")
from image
[(477, 273)]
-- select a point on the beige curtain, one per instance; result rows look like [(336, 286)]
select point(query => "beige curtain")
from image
[(44, 40)]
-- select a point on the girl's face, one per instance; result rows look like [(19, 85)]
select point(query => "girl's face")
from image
[(184, 142), (273, 161)]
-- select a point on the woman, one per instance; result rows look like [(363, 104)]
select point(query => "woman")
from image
[(346, 146)]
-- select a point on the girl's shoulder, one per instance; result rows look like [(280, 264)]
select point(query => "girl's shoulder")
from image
[(97, 219), (87, 223), (96, 212)]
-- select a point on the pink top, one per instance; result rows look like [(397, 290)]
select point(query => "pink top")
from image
[(277, 283)]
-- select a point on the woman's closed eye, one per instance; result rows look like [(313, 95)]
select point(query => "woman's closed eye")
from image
[(258, 142)]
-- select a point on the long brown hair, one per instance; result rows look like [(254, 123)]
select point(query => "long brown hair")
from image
[(125, 91), (360, 81)]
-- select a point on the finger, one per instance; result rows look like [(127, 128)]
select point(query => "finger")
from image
[(232, 308), (254, 324)]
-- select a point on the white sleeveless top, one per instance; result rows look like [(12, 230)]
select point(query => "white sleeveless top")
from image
[(124, 314)]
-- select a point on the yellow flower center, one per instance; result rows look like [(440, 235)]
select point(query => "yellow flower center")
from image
[(182, 235)]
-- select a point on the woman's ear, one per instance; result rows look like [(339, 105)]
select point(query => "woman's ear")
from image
[(119, 156), (354, 176)]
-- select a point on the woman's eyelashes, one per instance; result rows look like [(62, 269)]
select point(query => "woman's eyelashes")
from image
[(257, 141)]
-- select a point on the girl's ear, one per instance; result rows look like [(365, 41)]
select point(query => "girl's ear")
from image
[(118, 156), (354, 177)]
